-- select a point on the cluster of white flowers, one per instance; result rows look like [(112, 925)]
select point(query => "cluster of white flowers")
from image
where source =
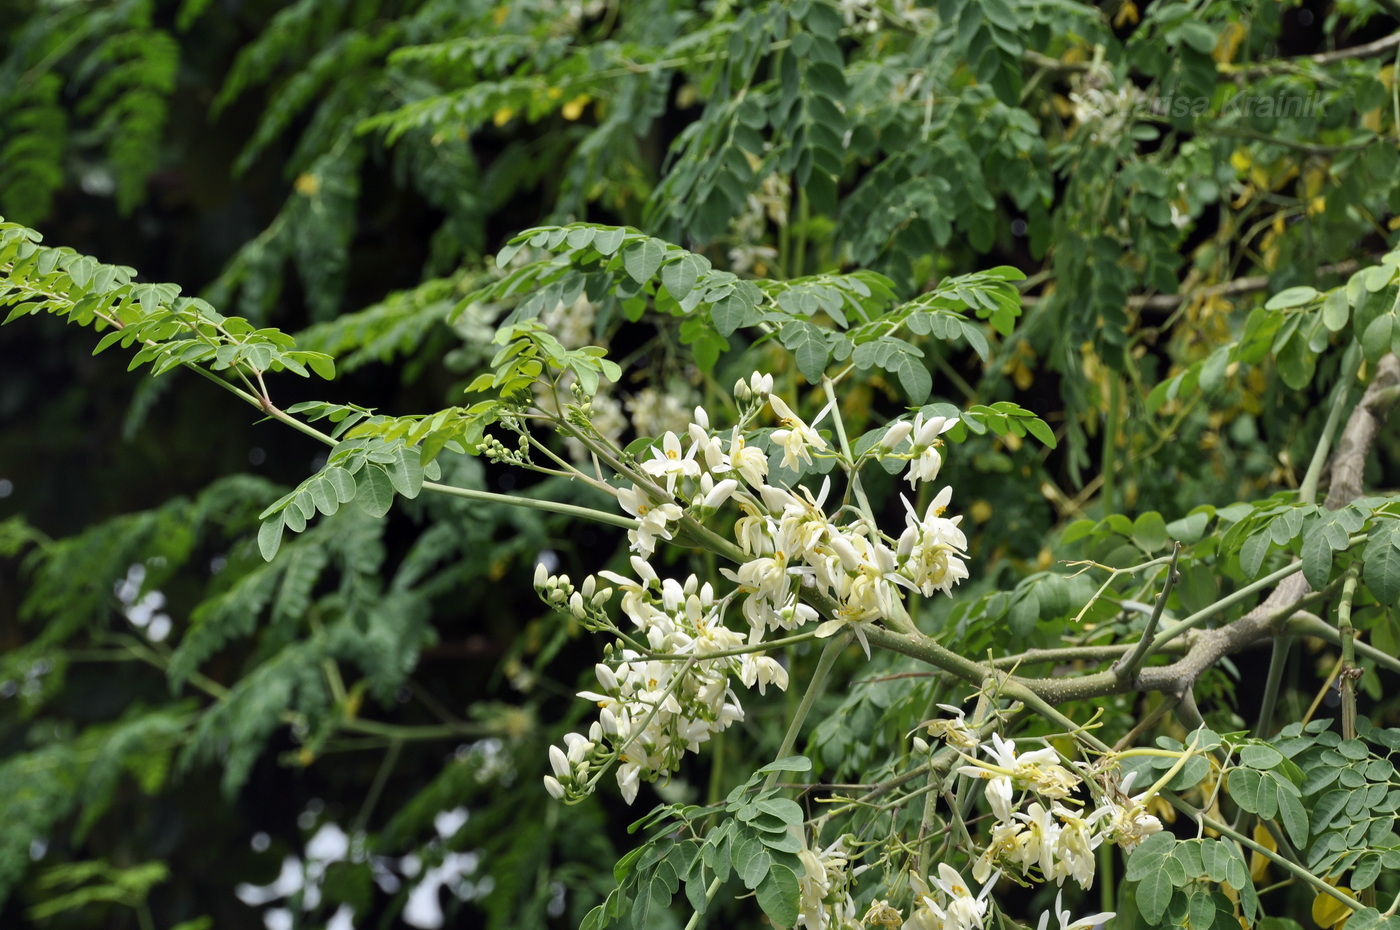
[(826, 899), (651, 710), (1051, 837), (669, 692), (945, 902)]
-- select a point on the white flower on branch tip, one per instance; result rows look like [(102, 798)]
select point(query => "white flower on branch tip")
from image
[(670, 462), (823, 887), (1062, 919), (1074, 847), (652, 520), (926, 461), (1040, 768), (1128, 823), (932, 547), (763, 670), (882, 914), (954, 729), (897, 433), (949, 903), (796, 437)]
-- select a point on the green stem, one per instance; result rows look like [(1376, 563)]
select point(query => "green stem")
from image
[(1307, 491), (381, 778), (1278, 658), (1293, 869), (427, 731), (569, 510), (850, 460), (1204, 614), (1110, 444), (1347, 634), (1311, 625), (815, 686), (767, 645), (1128, 667)]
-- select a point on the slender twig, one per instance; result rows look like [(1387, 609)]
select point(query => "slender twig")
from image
[(1307, 491), (815, 685), (1293, 869), (1230, 600), (1278, 658), (1347, 635), (1128, 667)]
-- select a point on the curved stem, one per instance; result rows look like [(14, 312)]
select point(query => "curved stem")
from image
[(1278, 658), (1200, 616), (815, 686), (1293, 869), (1127, 668), (1307, 491)]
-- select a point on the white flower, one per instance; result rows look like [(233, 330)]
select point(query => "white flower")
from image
[(964, 912), (823, 887), (954, 730), (629, 776), (998, 792), (796, 437), (652, 520), (750, 463), (1042, 833), (1074, 848), (668, 462), (1129, 824), (932, 547), (897, 433), (763, 670), (926, 462), (1062, 921)]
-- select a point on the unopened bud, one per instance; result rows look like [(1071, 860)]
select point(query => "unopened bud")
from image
[(930, 430), (896, 434), (559, 762), (850, 558), (555, 789), (720, 493), (541, 575)]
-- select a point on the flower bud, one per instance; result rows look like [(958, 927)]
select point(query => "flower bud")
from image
[(896, 434), (850, 558), (720, 493), (555, 789), (606, 678), (541, 575), (741, 390), (559, 762), (921, 745)]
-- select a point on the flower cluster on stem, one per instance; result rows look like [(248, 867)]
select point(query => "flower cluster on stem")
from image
[(668, 685)]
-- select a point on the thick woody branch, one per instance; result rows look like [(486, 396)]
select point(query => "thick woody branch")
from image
[(1206, 647)]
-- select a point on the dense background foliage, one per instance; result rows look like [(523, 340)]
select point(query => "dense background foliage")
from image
[(191, 734)]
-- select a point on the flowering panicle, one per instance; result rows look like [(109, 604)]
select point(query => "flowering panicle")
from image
[(1051, 838), (671, 687)]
